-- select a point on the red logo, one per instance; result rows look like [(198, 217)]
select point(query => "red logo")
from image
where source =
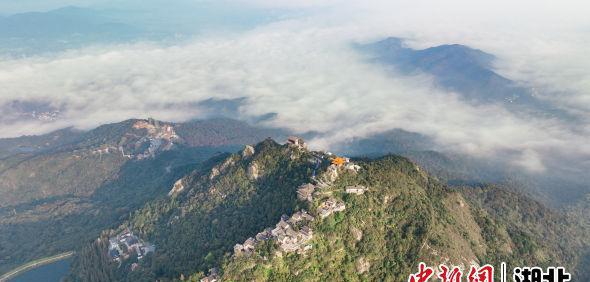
[(424, 273), (483, 274), (446, 276)]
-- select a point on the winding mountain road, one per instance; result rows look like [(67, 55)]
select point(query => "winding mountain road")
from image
[(34, 264)]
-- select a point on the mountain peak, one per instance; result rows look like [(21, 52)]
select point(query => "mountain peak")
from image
[(391, 42), (460, 53), (285, 213), (460, 69), (394, 48)]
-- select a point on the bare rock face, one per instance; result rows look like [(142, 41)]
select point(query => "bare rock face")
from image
[(460, 203), (248, 151), (294, 141), (216, 171), (362, 265), (253, 171), (156, 138), (228, 163), (177, 188), (332, 173), (356, 233), (305, 192)]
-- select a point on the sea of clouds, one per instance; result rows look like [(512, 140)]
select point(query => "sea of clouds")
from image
[(305, 70)]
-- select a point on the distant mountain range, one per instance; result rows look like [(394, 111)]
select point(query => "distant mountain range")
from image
[(558, 187), (65, 28), (461, 69), (71, 27), (63, 22)]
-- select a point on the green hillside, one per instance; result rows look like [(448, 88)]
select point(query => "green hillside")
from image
[(224, 202), (406, 217), (399, 217), (61, 189)]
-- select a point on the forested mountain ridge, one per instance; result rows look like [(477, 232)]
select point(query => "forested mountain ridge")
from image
[(60, 189), (405, 218), (221, 203), (372, 220)]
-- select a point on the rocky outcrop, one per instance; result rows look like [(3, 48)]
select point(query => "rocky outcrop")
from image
[(362, 265), (305, 192), (214, 173), (296, 142), (331, 173), (248, 151), (177, 188), (217, 170), (357, 234), (253, 171), (147, 139), (330, 206)]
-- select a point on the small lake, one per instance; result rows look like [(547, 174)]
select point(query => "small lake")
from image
[(52, 272)]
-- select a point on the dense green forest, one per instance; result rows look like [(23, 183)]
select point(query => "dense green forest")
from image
[(60, 224), (62, 191), (226, 201), (59, 190), (405, 217)]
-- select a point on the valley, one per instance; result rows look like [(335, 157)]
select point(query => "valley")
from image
[(98, 185)]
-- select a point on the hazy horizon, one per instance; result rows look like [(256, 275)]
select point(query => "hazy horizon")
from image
[(267, 54)]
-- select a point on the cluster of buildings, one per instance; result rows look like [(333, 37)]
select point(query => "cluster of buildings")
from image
[(297, 142), (291, 233), (352, 167), (160, 137), (104, 150), (126, 244), (346, 163), (306, 192), (330, 206), (356, 189)]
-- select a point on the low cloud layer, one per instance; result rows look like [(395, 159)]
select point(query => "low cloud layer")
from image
[(305, 71)]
